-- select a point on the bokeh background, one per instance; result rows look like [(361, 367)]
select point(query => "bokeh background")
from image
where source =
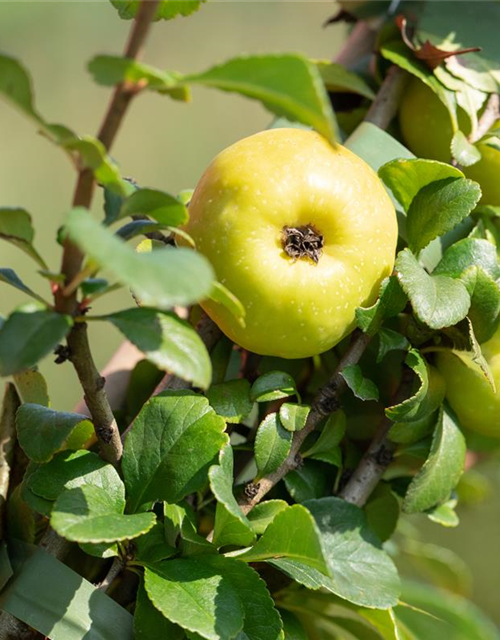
[(167, 145)]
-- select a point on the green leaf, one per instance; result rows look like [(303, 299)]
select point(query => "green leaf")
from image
[(72, 469), (438, 208), (338, 78), (442, 567), (442, 469), (231, 400), (375, 146), (308, 481), (445, 514), (160, 278), (391, 301), (28, 335), (112, 70), (42, 431), (221, 295), (426, 398), (37, 503), (32, 387), (89, 514), (293, 416), (361, 572), (398, 53), (390, 340), (293, 534), (231, 526), (150, 624), (362, 388), (184, 435), (406, 177), (330, 437), (9, 276), (464, 152), (62, 604), (288, 85), (464, 620), (261, 516), (382, 511), (15, 86), (167, 341), (273, 386), (466, 253), (437, 301), (411, 432), (484, 312), (292, 626), (16, 227), (193, 594), (167, 9), (158, 205), (93, 155), (152, 547), (20, 519), (272, 444)]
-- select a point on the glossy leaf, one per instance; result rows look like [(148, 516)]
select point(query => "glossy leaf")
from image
[(391, 301), (184, 436), (360, 571), (152, 546), (167, 9), (167, 341), (16, 227), (158, 205), (160, 278), (437, 301), (442, 469), (330, 437), (287, 84), (293, 534), (438, 208), (309, 481), (112, 70), (427, 397), (231, 526), (150, 624), (272, 444), (28, 335), (293, 416), (261, 516), (221, 295), (193, 594), (9, 276), (337, 78), (43, 431), (406, 177), (89, 514), (390, 340), (231, 400), (464, 152), (273, 386), (362, 387), (382, 511)]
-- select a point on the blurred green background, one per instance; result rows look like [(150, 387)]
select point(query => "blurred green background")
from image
[(167, 145)]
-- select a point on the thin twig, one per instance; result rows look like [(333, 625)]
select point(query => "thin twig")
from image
[(81, 356), (116, 568), (378, 456), (326, 402), (10, 405), (385, 105), (488, 118)]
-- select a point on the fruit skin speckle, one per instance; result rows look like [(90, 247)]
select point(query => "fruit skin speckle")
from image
[(291, 178)]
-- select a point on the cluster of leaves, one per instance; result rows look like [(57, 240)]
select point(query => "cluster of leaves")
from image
[(303, 563)]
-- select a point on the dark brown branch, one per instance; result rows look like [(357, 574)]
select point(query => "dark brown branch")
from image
[(81, 356), (326, 402), (385, 105), (10, 405), (378, 456)]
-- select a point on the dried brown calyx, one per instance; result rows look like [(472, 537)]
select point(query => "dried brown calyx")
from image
[(302, 242)]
